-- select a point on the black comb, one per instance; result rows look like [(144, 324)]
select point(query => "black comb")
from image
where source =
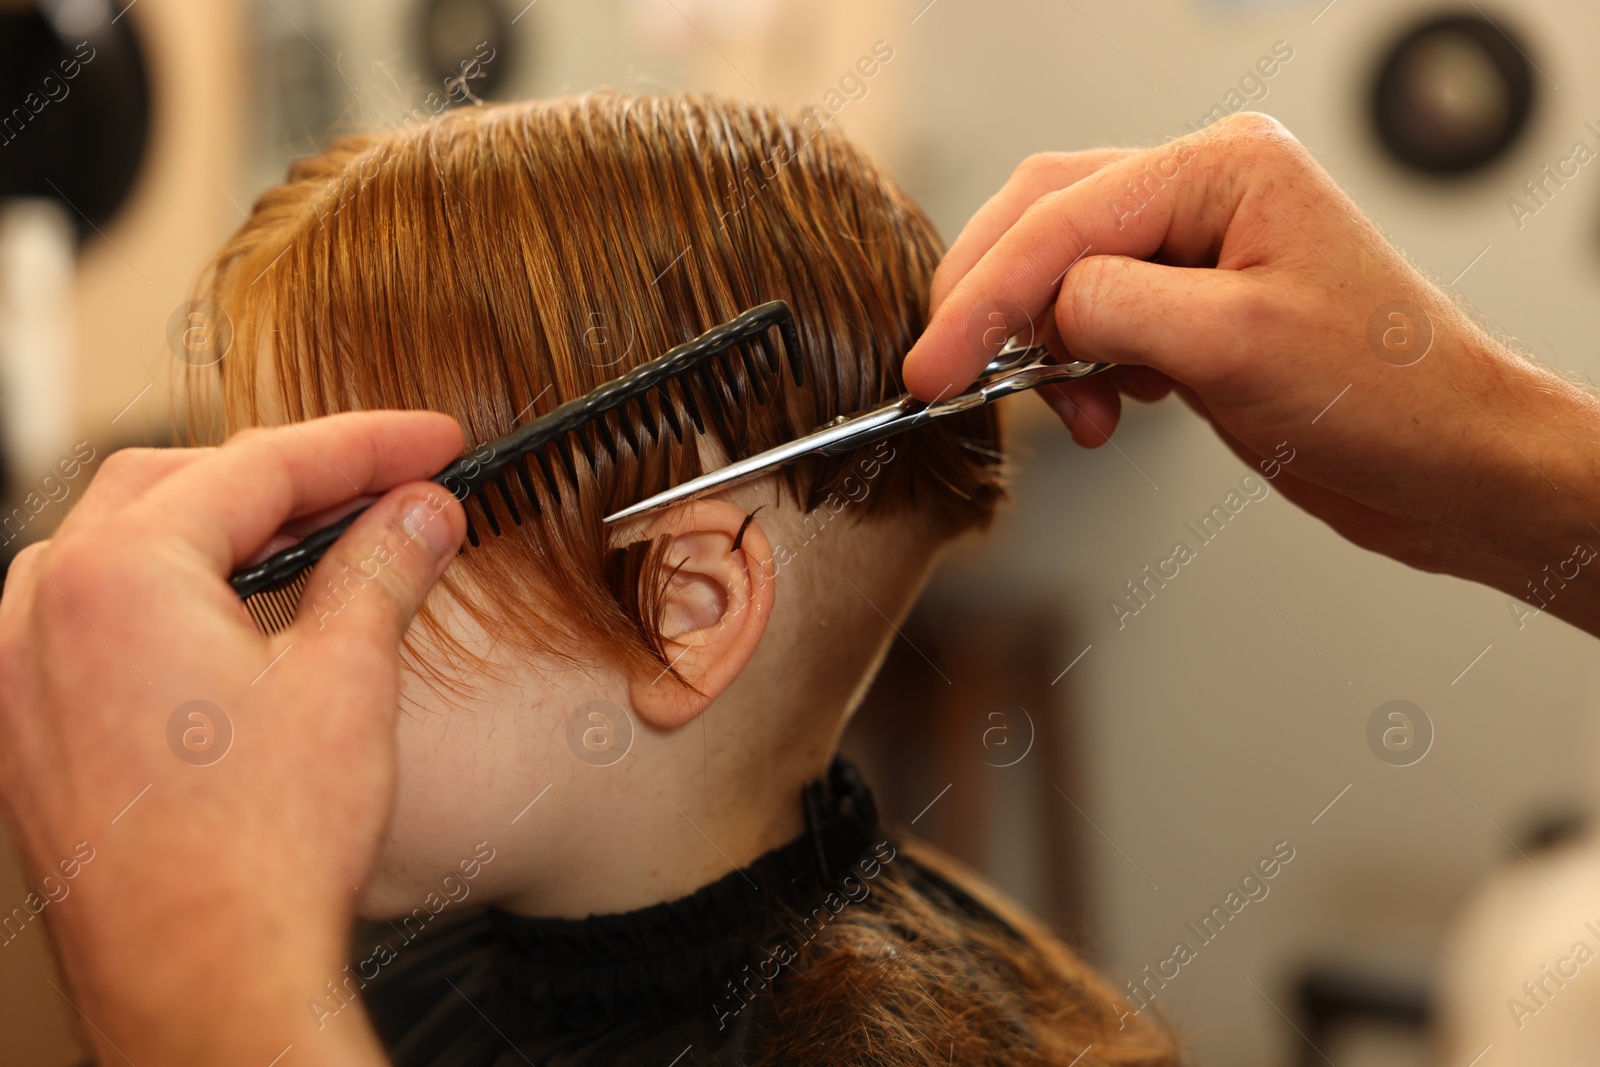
[(271, 589)]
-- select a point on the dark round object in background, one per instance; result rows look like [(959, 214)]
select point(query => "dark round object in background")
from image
[(1453, 94), (463, 46), (74, 106)]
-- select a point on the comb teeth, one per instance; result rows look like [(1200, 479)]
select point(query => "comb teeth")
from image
[(650, 418), (487, 506), (274, 609), (727, 391), (623, 407), (752, 374), (501, 484), (563, 448), (527, 485), (549, 475), (669, 411), (601, 432), (727, 381), (625, 430), (691, 404)]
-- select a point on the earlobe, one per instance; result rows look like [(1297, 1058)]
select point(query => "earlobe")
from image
[(714, 608)]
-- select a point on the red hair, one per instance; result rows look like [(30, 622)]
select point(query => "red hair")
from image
[(499, 260), (466, 264)]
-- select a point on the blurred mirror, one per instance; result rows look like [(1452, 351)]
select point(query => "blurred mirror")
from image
[(455, 41), (1453, 95)]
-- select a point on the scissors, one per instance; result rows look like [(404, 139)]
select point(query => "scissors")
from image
[(1016, 368)]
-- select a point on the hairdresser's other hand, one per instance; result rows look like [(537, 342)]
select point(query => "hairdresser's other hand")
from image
[(201, 862), (1229, 262)]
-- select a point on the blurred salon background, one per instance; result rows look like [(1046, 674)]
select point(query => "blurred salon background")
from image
[(1117, 756)]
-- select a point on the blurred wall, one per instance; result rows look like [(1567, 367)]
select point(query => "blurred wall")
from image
[(1230, 713), (130, 279), (144, 266)]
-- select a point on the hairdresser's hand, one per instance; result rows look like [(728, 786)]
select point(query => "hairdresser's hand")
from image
[(1230, 263), (202, 871)]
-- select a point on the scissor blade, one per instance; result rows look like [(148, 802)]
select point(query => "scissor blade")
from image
[(841, 435), (1014, 371)]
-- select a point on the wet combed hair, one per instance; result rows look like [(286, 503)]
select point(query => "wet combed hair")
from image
[(904, 980), (502, 259)]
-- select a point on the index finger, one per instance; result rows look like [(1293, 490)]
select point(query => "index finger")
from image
[(123, 476), (1042, 173), (228, 504), (1193, 187)]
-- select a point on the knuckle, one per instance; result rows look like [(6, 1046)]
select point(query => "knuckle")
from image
[(1263, 138), (119, 464), (131, 463), (1100, 158), (1255, 312), (25, 559), (1083, 292), (1038, 164), (76, 566), (1042, 207), (105, 560), (1258, 126), (1257, 317), (23, 563), (1063, 168), (247, 437)]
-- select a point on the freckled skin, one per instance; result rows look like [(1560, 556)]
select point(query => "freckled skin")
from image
[(1253, 286), (607, 838)]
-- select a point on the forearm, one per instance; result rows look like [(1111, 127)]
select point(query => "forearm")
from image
[(1538, 529)]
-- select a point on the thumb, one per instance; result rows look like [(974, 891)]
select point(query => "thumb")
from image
[(1183, 321), (374, 579)]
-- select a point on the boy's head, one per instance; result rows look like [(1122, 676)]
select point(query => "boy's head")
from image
[(501, 260)]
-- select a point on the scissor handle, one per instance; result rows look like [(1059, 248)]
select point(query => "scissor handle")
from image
[(1013, 370), (1015, 358)]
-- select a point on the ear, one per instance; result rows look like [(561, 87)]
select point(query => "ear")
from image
[(713, 611)]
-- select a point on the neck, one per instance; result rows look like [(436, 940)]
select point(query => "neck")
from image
[(688, 806), (677, 813)]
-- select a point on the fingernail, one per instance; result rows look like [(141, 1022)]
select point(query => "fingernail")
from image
[(1065, 409), (423, 524)]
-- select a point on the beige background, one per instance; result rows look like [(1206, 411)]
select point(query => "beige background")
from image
[(1231, 712), (178, 214)]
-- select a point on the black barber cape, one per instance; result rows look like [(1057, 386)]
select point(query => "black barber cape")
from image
[(675, 983)]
